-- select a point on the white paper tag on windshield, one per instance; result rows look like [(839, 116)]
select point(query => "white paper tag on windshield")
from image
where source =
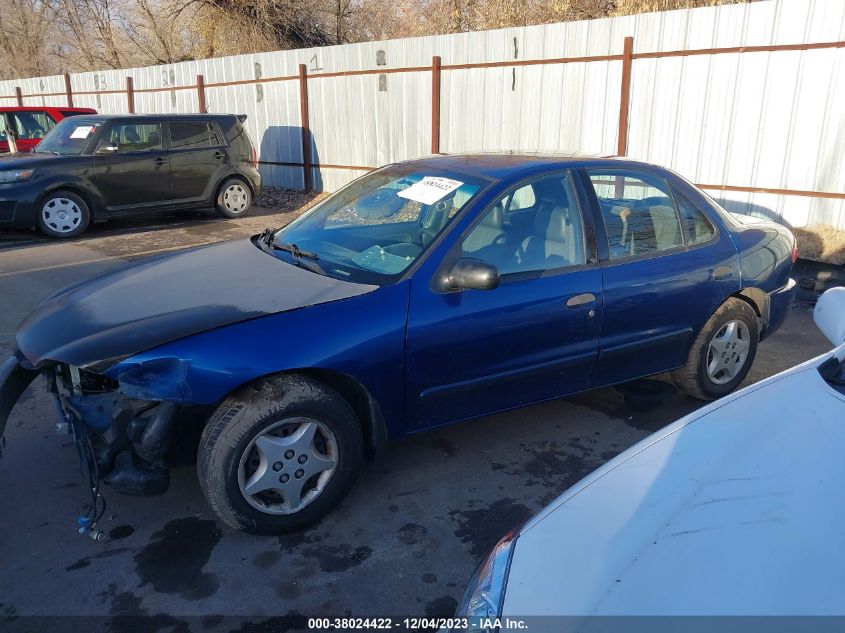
[(430, 189), (82, 131)]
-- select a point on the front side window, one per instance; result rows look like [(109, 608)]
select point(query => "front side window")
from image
[(31, 125), (535, 227), (131, 137), (372, 230), (192, 135), (639, 213)]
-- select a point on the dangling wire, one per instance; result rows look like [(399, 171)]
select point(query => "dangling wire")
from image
[(96, 509)]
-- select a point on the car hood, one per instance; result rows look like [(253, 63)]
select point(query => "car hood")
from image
[(98, 322), (734, 511), (23, 160)]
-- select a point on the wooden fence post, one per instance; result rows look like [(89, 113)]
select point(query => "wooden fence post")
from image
[(68, 91), (435, 104), (306, 130), (625, 97), (201, 93), (130, 95), (19, 96)]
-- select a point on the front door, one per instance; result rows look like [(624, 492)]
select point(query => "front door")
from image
[(197, 155), (533, 338), (131, 167)]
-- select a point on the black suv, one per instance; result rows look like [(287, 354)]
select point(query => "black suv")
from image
[(93, 167)]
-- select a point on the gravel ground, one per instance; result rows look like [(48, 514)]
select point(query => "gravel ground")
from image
[(288, 200)]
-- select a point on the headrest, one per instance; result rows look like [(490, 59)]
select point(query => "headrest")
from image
[(493, 218), (550, 192), (552, 223), (131, 135)]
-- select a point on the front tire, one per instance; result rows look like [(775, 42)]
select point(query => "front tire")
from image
[(234, 197), (63, 214), (722, 352), (278, 455)]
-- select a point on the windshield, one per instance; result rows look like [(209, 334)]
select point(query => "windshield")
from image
[(375, 228), (70, 136)]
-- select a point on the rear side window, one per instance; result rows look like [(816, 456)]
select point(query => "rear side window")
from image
[(697, 228), (132, 137), (193, 134), (639, 213)]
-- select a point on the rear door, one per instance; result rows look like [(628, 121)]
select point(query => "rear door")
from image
[(131, 167), (198, 158), (663, 278)]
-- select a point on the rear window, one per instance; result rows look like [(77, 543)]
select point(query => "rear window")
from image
[(193, 134)]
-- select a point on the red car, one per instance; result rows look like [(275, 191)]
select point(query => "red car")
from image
[(31, 123)]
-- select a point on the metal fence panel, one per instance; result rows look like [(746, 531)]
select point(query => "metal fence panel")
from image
[(770, 123)]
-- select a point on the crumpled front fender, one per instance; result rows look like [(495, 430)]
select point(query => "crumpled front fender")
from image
[(14, 379)]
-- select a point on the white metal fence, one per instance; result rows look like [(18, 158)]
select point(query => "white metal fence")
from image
[(745, 100)]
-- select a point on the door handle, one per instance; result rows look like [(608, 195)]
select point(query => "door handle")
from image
[(159, 160), (580, 300), (721, 272), (219, 154)]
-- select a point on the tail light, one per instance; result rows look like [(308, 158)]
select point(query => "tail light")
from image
[(255, 163), (794, 251)]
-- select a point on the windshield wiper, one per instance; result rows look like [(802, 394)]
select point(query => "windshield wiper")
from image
[(266, 236), (294, 250)]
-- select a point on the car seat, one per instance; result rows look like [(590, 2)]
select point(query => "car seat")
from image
[(487, 232), (557, 240)]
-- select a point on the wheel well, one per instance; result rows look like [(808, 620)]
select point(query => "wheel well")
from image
[(234, 176), (73, 189), (758, 300), (366, 408)]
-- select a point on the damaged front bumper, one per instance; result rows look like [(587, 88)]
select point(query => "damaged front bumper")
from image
[(129, 437)]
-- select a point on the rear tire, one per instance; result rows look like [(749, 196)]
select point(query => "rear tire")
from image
[(234, 197), (722, 352), (63, 214), (258, 467)]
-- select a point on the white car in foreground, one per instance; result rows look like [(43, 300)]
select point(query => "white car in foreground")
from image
[(735, 509)]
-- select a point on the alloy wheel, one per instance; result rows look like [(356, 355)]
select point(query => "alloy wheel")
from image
[(728, 352), (287, 465)]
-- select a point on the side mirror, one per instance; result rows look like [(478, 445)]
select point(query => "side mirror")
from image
[(107, 149), (471, 274), (829, 315)]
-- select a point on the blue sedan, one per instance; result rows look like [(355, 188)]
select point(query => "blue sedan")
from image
[(425, 293)]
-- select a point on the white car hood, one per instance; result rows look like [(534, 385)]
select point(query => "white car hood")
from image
[(735, 509)]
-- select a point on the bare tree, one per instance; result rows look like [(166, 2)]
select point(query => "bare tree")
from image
[(39, 37), (26, 49)]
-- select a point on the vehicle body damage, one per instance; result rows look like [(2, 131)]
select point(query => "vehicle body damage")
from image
[(409, 316)]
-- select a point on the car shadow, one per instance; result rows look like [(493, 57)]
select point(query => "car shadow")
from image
[(280, 158)]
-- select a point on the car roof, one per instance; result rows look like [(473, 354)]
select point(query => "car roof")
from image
[(129, 117), (44, 108), (500, 166)]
